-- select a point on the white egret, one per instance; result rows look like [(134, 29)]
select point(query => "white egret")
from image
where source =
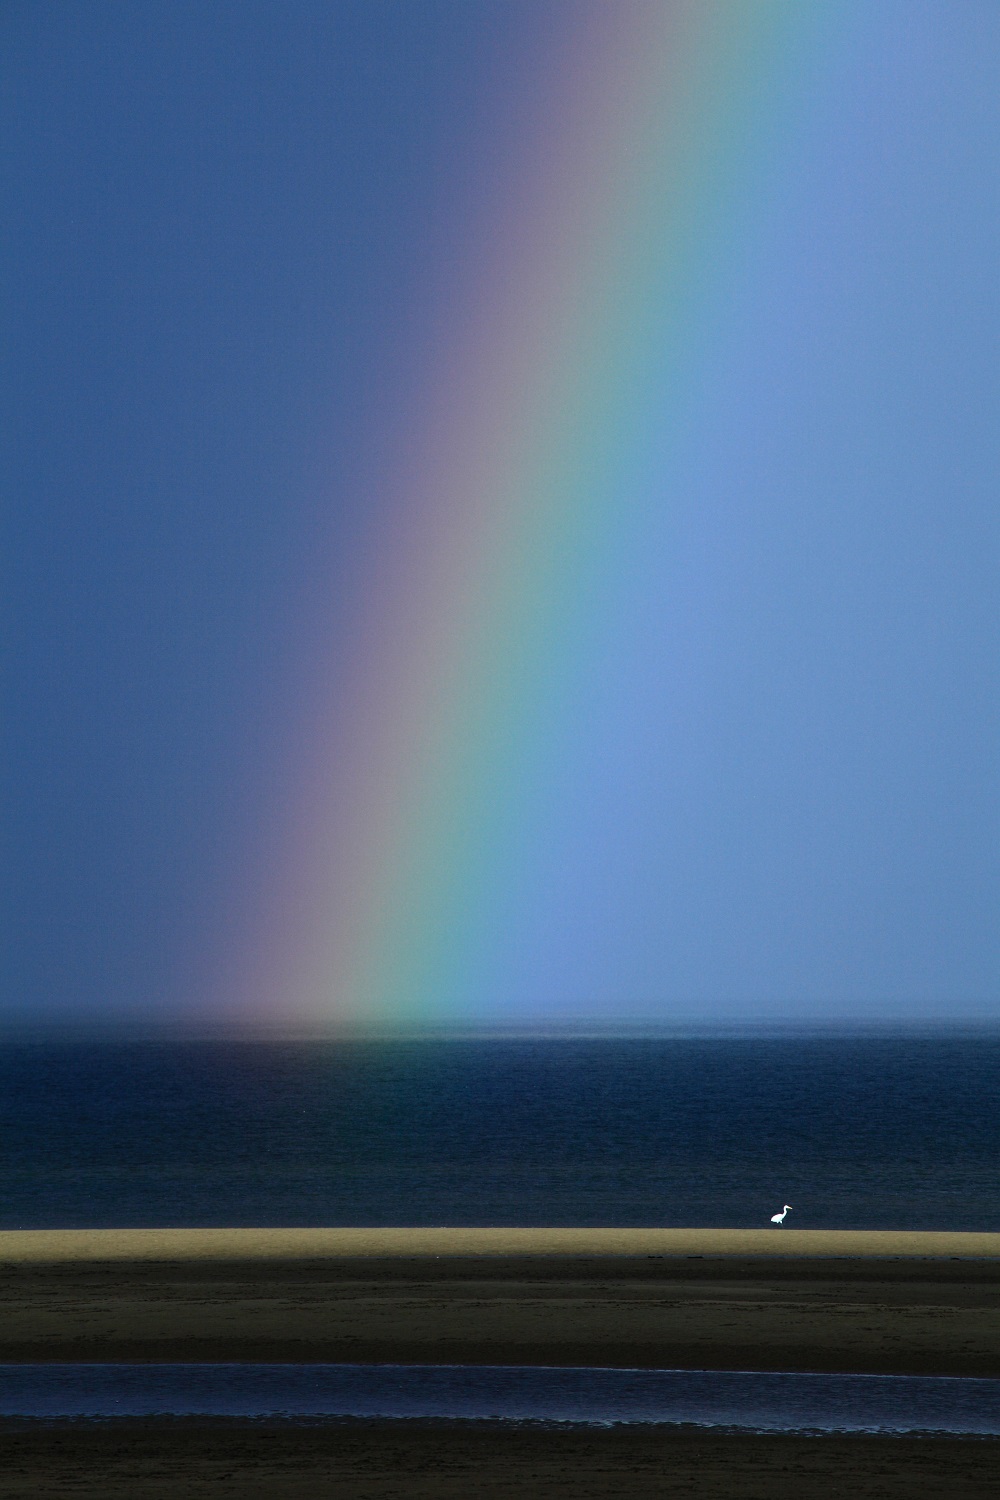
[(780, 1218)]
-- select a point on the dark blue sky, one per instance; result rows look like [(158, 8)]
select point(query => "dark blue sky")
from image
[(231, 232)]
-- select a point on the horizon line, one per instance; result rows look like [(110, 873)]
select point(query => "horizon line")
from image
[(183, 1030)]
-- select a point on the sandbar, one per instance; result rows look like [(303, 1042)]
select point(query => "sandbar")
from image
[(52, 1245)]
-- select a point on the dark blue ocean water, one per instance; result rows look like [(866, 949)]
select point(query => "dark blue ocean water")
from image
[(865, 1131), (733, 1399)]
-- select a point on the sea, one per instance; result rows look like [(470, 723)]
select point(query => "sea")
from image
[(856, 1130)]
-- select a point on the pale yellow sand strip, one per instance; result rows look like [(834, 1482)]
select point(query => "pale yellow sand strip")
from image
[(50, 1245)]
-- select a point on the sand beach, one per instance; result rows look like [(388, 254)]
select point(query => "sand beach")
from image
[(757, 1299)]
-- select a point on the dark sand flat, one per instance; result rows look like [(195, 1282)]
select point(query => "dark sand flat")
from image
[(699, 1299), (403, 1462)]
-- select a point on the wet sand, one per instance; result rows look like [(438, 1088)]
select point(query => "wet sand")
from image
[(765, 1300), (377, 1461)]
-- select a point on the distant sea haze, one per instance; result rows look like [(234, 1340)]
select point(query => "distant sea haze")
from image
[(854, 1131)]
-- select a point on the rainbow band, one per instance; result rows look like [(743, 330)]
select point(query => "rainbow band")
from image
[(543, 439)]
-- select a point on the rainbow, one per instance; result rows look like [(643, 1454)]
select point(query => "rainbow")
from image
[(541, 443)]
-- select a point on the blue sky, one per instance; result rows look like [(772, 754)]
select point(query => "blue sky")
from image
[(231, 233)]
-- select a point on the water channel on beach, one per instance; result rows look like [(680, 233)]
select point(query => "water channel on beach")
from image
[(749, 1401)]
